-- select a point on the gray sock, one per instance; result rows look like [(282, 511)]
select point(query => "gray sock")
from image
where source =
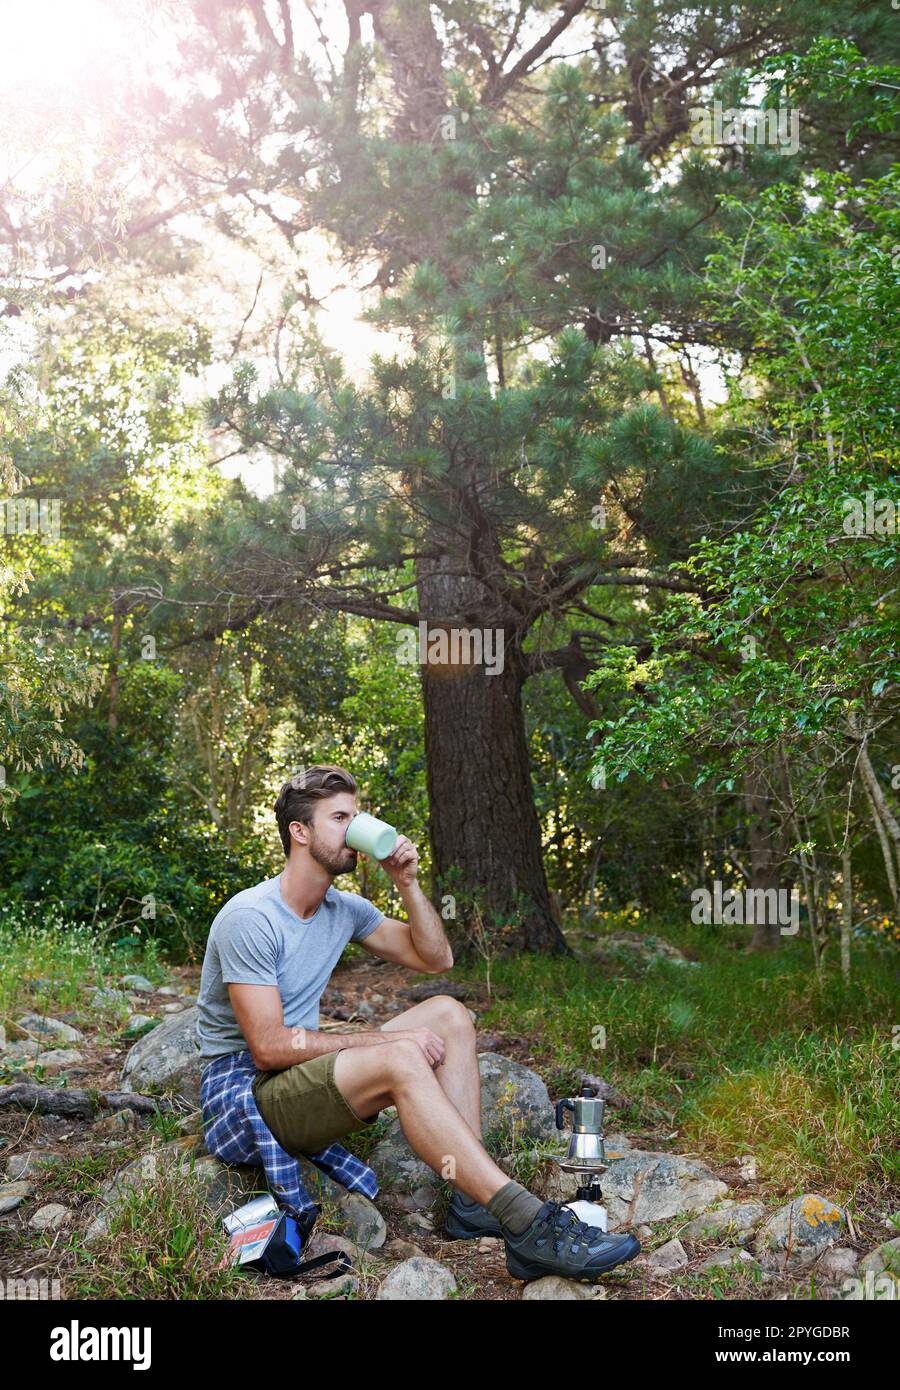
[(514, 1207)]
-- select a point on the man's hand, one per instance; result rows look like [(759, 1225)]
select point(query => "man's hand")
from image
[(403, 864), (431, 1044)]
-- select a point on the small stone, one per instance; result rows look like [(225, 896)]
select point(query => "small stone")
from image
[(333, 1288), (167, 989), (28, 1164), (46, 1028), (670, 1256), (115, 1123), (140, 983), (61, 1057), (12, 1194), (49, 1218), (19, 1051), (730, 1259), (102, 998), (415, 1279), (172, 1008), (555, 1287), (747, 1168)]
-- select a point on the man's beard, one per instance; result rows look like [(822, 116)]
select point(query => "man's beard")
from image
[(334, 863)]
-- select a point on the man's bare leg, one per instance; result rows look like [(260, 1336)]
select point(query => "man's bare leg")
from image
[(458, 1073), (398, 1073)]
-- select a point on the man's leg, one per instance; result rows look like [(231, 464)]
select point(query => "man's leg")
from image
[(398, 1073), (458, 1073)]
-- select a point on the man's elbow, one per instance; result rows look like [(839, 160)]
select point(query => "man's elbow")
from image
[(445, 965)]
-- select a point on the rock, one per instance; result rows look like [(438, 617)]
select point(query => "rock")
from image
[(603, 1091), (167, 989), (417, 1278), (103, 998), (137, 982), (429, 988), (422, 1220), (226, 1185), (360, 1218), (670, 1256), (733, 1222), (2, 1037), (553, 1286), (333, 1288), (405, 1180), (644, 1232), (60, 1057), (49, 1218), (138, 1025), (116, 1123), (631, 949), (12, 1194), (366, 1010), (167, 1058), (837, 1264), (328, 1243), (795, 1235), (730, 1259), (28, 1164), (884, 1260), (172, 1008), (46, 1028), (645, 1186), (19, 1051), (400, 1249), (192, 1123), (515, 1103), (747, 1168)]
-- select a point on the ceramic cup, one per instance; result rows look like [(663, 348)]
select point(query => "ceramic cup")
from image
[(372, 836)]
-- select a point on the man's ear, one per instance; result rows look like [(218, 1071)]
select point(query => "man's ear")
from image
[(293, 830)]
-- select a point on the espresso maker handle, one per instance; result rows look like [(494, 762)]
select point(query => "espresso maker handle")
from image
[(562, 1105)]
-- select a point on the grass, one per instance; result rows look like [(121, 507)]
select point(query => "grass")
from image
[(743, 1053)]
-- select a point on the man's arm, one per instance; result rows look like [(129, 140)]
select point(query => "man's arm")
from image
[(260, 1017), (420, 943)]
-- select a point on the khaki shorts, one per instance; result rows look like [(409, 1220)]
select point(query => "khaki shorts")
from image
[(303, 1107)]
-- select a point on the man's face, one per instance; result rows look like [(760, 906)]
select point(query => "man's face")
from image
[(326, 834)]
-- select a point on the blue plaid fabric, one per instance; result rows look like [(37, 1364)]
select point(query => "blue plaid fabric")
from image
[(236, 1132)]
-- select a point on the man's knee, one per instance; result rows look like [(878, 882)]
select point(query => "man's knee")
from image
[(403, 1057), (451, 1014)]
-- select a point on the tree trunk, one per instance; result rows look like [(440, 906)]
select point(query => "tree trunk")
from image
[(485, 833)]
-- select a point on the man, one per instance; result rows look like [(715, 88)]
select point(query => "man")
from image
[(270, 953)]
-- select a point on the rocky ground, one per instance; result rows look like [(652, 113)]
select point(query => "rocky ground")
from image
[(706, 1230)]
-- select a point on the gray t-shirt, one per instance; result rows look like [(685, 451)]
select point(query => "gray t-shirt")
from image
[(257, 940)]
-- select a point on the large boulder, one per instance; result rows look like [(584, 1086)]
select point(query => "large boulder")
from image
[(646, 1186), (167, 1059), (796, 1234)]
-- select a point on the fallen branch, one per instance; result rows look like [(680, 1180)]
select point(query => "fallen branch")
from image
[(53, 1100)]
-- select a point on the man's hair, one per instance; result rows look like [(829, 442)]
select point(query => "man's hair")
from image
[(297, 798)]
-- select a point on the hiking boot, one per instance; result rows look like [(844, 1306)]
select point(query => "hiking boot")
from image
[(556, 1242), (466, 1220)]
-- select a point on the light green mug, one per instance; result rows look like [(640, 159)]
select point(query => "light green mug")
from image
[(372, 836)]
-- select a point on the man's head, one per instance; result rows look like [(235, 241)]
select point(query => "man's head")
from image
[(313, 810)]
